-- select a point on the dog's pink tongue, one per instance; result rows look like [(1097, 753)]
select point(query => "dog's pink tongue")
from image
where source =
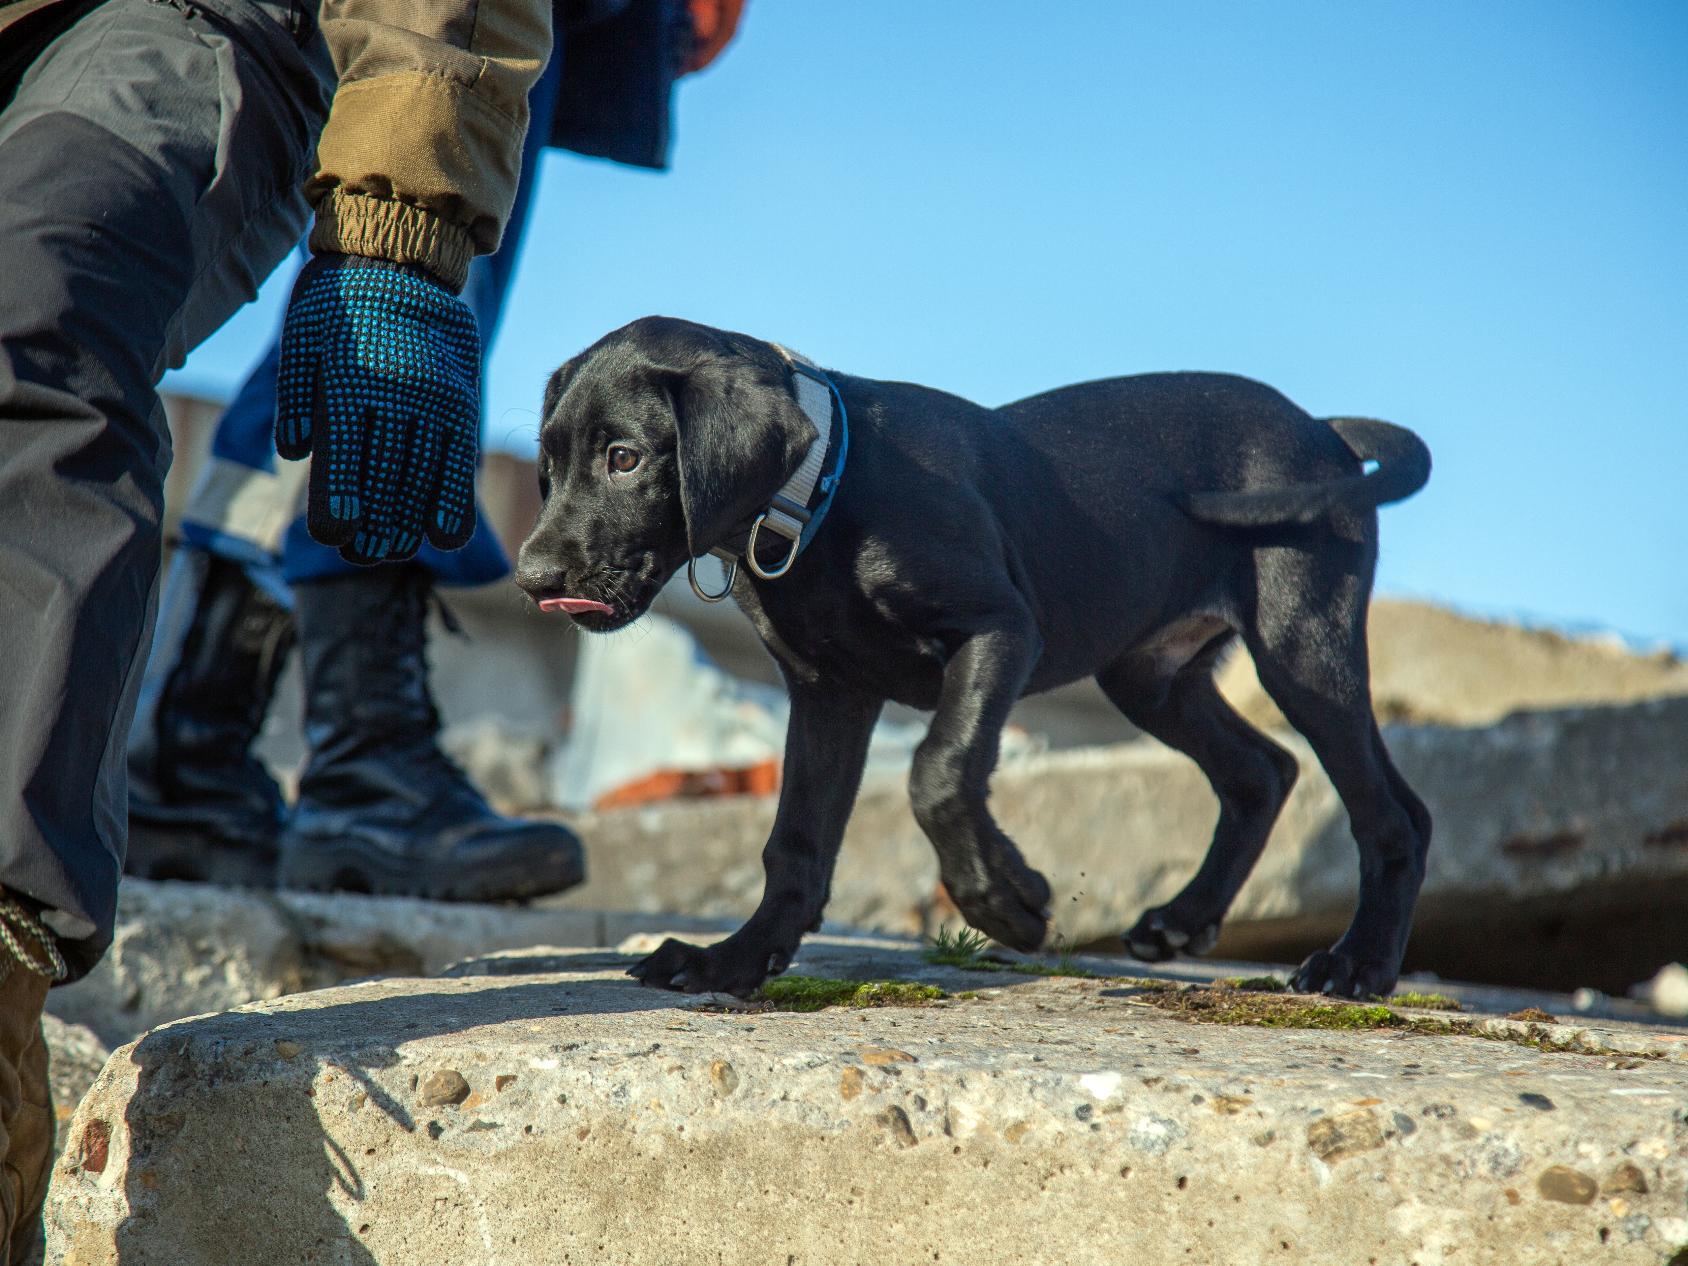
[(576, 606)]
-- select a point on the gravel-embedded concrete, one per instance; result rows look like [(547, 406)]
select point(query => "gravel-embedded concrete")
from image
[(572, 1117)]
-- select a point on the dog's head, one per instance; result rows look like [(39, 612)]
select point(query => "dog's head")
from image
[(657, 443)]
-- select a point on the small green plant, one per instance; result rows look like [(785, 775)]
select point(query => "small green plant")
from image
[(816, 993), (965, 949), (959, 949)]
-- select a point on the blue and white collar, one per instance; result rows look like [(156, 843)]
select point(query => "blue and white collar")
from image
[(798, 508)]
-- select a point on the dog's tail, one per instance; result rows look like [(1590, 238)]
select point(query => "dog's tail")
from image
[(1403, 467)]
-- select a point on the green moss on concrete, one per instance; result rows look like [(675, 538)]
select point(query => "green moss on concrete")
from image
[(1051, 969), (816, 993), (1255, 984), (1425, 1001), (1265, 1010), (1226, 1005), (1060, 967)]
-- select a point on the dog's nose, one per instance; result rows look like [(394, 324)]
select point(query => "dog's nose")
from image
[(539, 581)]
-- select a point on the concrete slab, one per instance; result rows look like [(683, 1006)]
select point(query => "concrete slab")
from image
[(571, 1116)]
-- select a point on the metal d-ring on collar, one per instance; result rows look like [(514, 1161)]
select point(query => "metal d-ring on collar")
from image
[(691, 576), (792, 512), (791, 554)]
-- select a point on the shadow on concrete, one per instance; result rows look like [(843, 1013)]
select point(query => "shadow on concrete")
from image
[(195, 1179)]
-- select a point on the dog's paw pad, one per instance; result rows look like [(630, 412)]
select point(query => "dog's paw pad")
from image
[(1009, 922), (669, 967), (1203, 941), (1339, 975), (718, 969), (1155, 938)]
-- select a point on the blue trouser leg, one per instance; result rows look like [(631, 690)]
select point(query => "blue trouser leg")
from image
[(246, 506)]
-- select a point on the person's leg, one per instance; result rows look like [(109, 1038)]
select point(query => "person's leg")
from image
[(191, 134), (26, 1111), (201, 806)]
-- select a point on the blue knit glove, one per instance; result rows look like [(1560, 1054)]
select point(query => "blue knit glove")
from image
[(380, 386)]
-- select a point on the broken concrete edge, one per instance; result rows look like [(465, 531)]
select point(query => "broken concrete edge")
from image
[(414, 1120), (191, 949)]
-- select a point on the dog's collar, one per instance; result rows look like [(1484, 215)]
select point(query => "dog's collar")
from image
[(797, 509)]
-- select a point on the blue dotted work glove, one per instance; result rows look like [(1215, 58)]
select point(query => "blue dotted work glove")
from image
[(380, 386)]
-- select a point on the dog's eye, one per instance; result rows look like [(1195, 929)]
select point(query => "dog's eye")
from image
[(623, 460)]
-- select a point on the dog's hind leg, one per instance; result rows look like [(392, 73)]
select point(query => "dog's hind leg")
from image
[(982, 870), (1309, 647), (1251, 775)]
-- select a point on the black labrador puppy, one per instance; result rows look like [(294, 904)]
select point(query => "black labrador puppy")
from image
[(1125, 530)]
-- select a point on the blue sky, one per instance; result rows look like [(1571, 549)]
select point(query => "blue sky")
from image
[(1468, 218)]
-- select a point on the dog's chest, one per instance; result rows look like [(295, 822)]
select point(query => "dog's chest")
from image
[(828, 638)]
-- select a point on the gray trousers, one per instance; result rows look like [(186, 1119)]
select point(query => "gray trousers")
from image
[(150, 166)]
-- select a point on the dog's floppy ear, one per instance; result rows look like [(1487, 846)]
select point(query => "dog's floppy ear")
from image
[(741, 435), (557, 384)]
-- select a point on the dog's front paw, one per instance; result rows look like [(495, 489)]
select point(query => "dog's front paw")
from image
[(1159, 935), (1014, 911), (724, 968), (1345, 976)]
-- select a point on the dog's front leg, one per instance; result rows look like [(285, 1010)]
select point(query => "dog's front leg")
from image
[(984, 873), (825, 749)]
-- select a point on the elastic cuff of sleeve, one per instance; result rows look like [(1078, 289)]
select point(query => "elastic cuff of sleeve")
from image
[(380, 228)]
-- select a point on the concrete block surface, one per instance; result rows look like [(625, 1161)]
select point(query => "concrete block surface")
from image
[(572, 1117)]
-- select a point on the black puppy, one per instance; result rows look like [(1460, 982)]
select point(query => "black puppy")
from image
[(1126, 529)]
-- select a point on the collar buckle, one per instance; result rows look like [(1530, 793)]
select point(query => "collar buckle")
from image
[(788, 514)]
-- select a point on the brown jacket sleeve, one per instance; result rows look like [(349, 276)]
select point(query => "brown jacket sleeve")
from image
[(423, 147)]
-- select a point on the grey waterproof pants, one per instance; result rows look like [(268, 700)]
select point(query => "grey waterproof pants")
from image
[(151, 160)]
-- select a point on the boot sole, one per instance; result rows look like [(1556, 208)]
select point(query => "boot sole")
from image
[(196, 857), (322, 866)]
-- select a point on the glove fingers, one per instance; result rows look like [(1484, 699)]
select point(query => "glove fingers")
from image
[(294, 399), (337, 508), (297, 395), (452, 520), (421, 447), (398, 452)]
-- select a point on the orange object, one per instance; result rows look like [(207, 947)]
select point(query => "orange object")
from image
[(714, 23), (761, 779)]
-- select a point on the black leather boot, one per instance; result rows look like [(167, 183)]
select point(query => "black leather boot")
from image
[(381, 808), (201, 806)]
